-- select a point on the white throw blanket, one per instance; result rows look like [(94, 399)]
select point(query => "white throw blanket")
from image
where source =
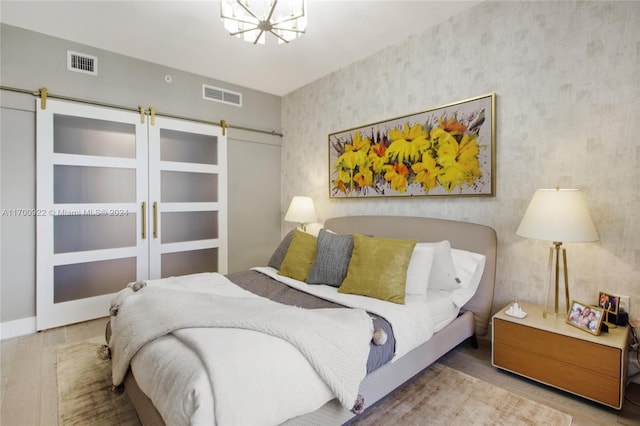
[(334, 341)]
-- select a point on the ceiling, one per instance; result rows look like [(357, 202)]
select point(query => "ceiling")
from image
[(188, 35)]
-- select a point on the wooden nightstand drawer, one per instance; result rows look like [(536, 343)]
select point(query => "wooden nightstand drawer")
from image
[(569, 377), (598, 358), (555, 353)]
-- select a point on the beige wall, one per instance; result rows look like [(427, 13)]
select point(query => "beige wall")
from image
[(567, 79)]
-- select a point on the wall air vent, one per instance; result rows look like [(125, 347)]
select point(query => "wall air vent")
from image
[(81, 62), (216, 94)]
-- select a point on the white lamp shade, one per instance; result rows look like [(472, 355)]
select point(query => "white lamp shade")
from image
[(559, 215), (301, 210)]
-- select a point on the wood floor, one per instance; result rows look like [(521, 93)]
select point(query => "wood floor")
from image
[(29, 390), (29, 380)]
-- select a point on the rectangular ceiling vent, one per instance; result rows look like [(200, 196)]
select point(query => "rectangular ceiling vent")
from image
[(216, 94), (81, 62)]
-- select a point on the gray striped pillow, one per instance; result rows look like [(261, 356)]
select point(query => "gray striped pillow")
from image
[(332, 259)]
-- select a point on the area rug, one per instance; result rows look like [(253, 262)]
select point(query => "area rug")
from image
[(438, 396), (443, 396), (84, 388)]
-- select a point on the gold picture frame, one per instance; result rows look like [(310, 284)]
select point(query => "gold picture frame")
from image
[(586, 317), (609, 302), (444, 151), (611, 305)]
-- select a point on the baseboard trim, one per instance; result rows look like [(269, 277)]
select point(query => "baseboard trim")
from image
[(16, 328)]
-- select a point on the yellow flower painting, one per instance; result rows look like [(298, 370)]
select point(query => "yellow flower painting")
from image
[(448, 150)]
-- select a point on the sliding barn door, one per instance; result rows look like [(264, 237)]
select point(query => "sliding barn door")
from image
[(188, 198), (92, 181), (121, 198)]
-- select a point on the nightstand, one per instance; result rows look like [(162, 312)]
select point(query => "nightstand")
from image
[(555, 353)]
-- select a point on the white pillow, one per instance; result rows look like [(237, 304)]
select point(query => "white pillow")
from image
[(444, 275), (437, 266), (470, 267), (419, 269)]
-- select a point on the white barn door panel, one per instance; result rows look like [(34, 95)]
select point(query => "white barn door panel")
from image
[(91, 182), (188, 196)]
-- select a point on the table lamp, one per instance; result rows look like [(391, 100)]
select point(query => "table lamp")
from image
[(301, 210), (557, 215)]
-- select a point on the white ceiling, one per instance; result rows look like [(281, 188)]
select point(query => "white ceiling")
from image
[(188, 35)]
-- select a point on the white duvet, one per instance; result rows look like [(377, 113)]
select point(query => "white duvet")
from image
[(249, 377)]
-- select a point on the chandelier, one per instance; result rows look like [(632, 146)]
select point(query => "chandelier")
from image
[(251, 20)]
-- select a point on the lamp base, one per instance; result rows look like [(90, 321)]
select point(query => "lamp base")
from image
[(552, 304)]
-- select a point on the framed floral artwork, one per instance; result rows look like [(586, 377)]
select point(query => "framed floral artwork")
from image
[(444, 151)]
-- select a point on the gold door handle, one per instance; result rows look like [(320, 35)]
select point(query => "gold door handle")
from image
[(144, 220), (155, 219)]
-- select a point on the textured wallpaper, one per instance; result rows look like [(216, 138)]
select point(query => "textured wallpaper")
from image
[(567, 81)]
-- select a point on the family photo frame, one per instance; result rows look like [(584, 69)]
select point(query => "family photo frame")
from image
[(586, 317), (445, 151), (609, 302)]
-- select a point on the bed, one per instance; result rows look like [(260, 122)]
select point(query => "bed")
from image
[(471, 320)]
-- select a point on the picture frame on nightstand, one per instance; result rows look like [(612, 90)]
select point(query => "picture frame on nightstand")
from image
[(586, 317), (609, 302), (611, 305)]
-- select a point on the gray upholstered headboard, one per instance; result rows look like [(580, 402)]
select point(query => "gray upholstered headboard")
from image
[(462, 235)]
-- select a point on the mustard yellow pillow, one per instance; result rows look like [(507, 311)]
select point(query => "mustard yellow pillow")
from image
[(378, 268), (299, 258)]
